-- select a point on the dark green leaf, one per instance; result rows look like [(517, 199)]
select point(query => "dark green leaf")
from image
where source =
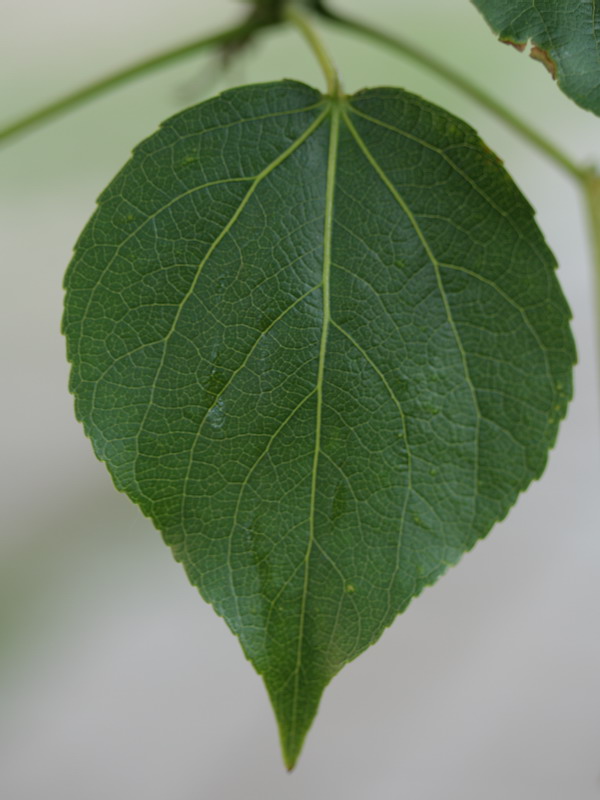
[(321, 344), (565, 37)]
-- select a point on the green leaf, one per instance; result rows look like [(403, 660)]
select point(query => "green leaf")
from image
[(320, 342), (565, 37)]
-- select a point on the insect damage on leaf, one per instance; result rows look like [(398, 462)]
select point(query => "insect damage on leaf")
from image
[(535, 52), (564, 37), (520, 46), (318, 341), (538, 54)]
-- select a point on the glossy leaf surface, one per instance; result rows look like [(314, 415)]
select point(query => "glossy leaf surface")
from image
[(565, 37), (321, 343)]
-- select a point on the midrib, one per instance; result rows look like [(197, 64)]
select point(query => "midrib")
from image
[(327, 236)]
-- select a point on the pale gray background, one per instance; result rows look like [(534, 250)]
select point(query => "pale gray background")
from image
[(116, 681)]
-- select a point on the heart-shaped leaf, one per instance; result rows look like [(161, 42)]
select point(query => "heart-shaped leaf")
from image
[(564, 35), (320, 342)]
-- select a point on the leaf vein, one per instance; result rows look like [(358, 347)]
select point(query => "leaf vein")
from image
[(430, 254)]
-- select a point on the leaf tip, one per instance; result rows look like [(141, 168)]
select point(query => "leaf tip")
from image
[(294, 720), (291, 751), (291, 747), (290, 765)]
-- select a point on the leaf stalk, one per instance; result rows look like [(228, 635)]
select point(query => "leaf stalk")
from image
[(297, 18)]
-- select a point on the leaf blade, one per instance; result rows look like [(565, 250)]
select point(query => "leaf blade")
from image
[(278, 369)]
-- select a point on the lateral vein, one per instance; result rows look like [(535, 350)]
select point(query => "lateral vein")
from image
[(436, 267), (225, 230)]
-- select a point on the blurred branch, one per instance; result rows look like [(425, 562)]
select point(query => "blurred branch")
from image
[(229, 41), (592, 196)]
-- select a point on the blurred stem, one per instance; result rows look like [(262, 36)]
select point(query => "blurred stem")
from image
[(301, 22), (459, 81), (591, 185), (237, 34)]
